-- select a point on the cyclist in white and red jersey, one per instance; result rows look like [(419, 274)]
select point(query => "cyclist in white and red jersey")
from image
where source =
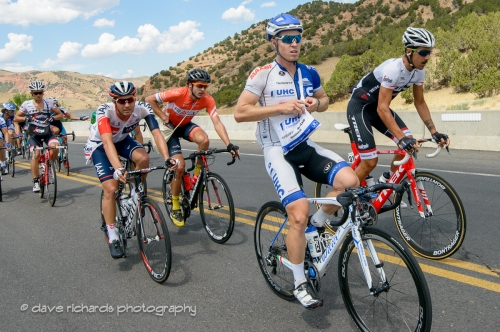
[(109, 137), (287, 92), (369, 105), (37, 112), (182, 105)]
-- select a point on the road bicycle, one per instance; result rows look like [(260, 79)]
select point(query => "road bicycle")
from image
[(25, 145), (127, 163), (209, 192), (63, 156), (382, 285), (47, 174), (137, 214), (10, 163), (436, 229), (1, 178)]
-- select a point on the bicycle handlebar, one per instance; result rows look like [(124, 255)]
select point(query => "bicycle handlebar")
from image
[(149, 146), (72, 134), (428, 155), (208, 152)]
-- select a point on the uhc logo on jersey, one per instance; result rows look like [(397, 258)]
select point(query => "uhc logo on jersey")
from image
[(282, 93)]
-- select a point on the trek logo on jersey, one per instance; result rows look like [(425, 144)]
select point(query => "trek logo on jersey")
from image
[(258, 69), (282, 93), (356, 130), (386, 79)]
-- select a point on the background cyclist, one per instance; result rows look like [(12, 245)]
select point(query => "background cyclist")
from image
[(37, 112), (182, 105), (4, 142), (8, 110), (109, 138), (369, 105), (285, 90)]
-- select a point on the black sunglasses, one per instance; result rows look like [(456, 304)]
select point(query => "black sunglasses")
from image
[(422, 53), (37, 93)]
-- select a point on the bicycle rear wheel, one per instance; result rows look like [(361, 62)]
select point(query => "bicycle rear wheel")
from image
[(13, 166), (66, 160), (154, 241), (401, 303), (51, 183), (278, 277), (216, 208), (441, 232)]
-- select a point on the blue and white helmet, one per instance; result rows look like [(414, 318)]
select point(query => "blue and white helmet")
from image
[(415, 37), (282, 22), (9, 107)]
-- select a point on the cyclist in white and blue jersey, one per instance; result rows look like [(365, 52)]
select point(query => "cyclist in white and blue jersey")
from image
[(4, 141), (286, 92)]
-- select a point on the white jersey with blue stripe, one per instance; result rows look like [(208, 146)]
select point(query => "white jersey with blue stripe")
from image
[(274, 85)]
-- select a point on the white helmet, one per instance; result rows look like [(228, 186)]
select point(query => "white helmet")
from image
[(36, 85), (415, 37)]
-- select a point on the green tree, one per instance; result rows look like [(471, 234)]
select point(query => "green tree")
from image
[(19, 98)]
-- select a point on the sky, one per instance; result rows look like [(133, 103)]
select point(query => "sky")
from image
[(121, 38)]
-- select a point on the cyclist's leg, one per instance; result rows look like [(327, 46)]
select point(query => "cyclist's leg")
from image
[(197, 135), (52, 141), (34, 142), (325, 166), (360, 116), (174, 151), (380, 126)]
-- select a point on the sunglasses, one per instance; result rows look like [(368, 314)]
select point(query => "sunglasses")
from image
[(37, 93), (290, 39), (200, 85), (129, 100), (422, 53)]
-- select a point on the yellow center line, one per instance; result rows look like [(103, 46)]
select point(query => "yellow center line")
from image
[(473, 281)]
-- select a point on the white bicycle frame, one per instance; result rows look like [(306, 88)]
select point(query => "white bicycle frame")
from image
[(321, 263)]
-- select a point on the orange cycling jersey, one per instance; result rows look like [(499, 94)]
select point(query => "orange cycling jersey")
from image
[(180, 108)]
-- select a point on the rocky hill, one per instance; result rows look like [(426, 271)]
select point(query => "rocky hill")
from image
[(75, 90)]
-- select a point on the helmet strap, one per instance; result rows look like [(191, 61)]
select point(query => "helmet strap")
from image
[(192, 93), (280, 55), (409, 59)]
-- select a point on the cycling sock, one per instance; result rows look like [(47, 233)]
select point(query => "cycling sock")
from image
[(112, 232), (36, 180), (175, 203), (318, 219), (299, 276), (197, 169)]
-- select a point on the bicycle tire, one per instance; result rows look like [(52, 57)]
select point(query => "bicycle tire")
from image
[(1, 198), (41, 182), (219, 228), (278, 277), (52, 183), (66, 160), (154, 241), (13, 162), (437, 236), (403, 305), (321, 190), (167, 198)]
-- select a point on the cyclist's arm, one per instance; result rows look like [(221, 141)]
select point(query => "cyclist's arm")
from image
[(59, 115), (247, 111), (220, 129), (157, 135), (20, 117), (422, 108), (385, 114), (151, 100), (18, 128), (320, 99), (6, 135), (138, 135)]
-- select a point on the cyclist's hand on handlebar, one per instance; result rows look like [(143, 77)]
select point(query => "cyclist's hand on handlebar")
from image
[(120, 175), (84, 118), (172, 163), (441, 139), (408, 144), (234, 149)]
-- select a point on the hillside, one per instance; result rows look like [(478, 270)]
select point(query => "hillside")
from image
[(331, 29), (75, 90)]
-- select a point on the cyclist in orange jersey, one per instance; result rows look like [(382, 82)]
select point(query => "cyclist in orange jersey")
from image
[(182, 104)]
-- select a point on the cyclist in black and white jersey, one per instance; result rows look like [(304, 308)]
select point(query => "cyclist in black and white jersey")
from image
[(287, 92), (369, 105), (37, 112)]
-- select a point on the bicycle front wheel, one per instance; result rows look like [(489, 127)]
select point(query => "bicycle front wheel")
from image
[(278, 277), (13, 166), (51, 184), (440, 232), (66, 160), (216, 208), (154, 241), (401, 302)]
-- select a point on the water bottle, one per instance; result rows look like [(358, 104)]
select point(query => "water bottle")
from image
[(124, 205), (187, 182), (384, 177), (312, 239), (41, 167)]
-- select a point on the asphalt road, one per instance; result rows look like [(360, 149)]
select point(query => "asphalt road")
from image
[(57, 274)]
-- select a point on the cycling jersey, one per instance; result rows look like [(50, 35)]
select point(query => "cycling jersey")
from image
[(391, 74), (180, 108), (274, 85), (9, 122), (34, 116), (3, 124), (109, 121)]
